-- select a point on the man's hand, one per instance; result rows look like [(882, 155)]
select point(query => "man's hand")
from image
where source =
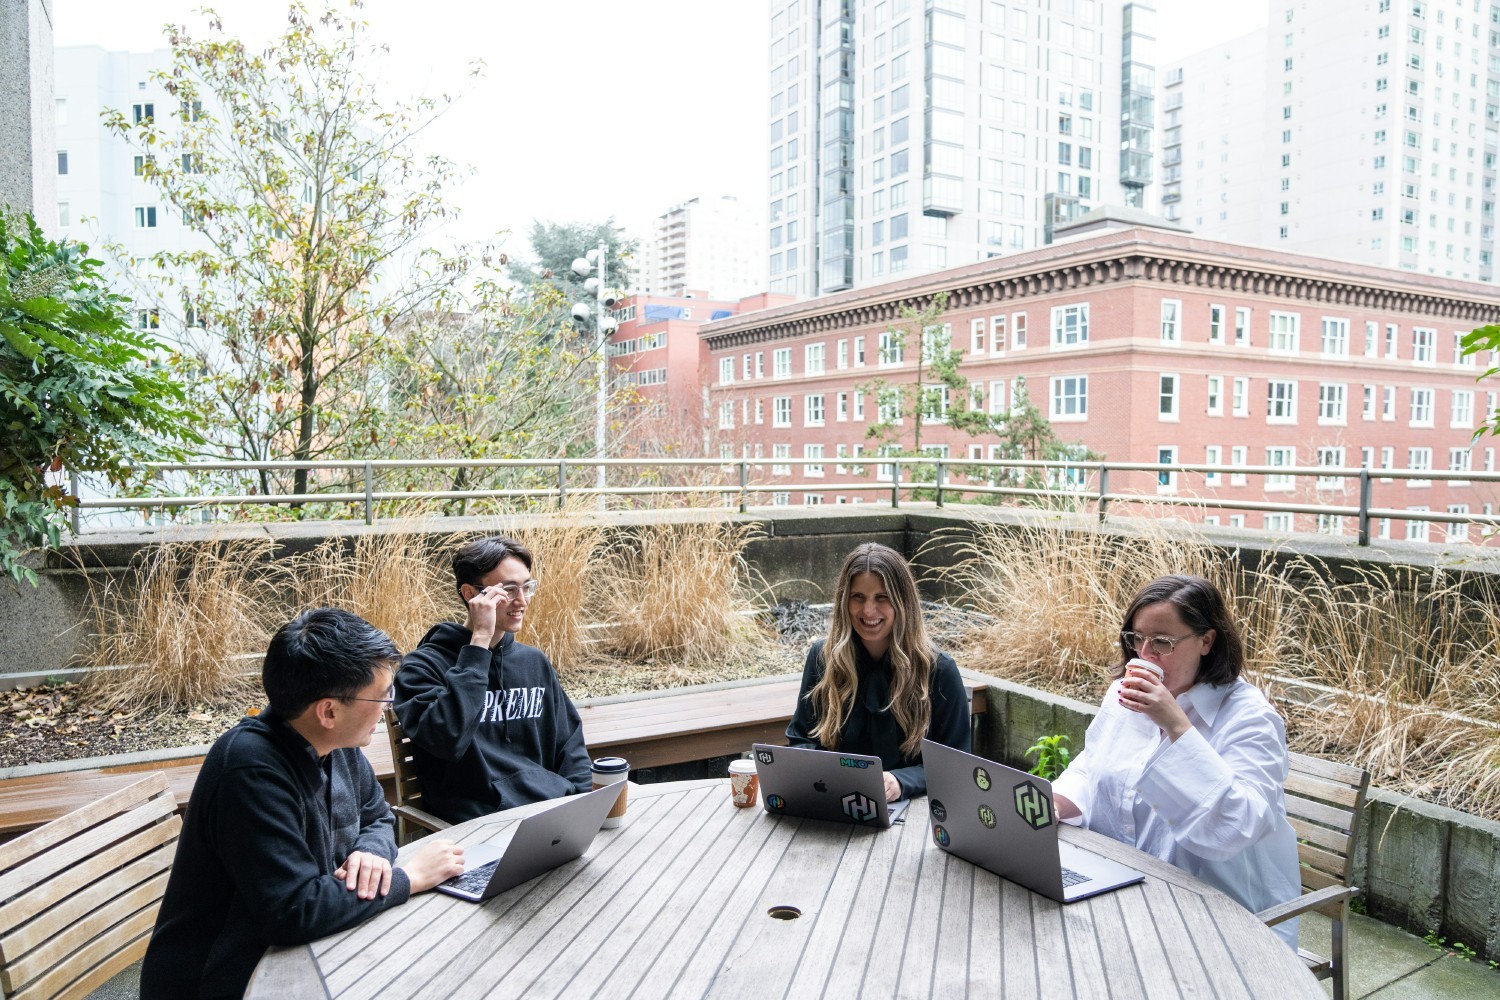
[(366, 874), (892, 787), (435, 862), (482, 616)]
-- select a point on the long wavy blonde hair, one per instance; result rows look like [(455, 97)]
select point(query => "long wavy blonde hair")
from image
[(911, 655)]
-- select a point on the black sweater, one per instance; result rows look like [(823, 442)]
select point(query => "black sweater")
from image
[(869, 727), (491, 729), (267, 825)]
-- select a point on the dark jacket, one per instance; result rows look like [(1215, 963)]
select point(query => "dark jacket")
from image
[(869, 728), (491, 729), (267, 825)]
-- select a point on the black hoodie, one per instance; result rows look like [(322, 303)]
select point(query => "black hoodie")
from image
[(491, 729), (267, 825)]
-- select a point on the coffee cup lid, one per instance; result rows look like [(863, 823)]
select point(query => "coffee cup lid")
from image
[(610, 765), (1145, 665), (742, 766)]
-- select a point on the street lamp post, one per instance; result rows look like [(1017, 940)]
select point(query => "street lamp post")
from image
[(593, 267)]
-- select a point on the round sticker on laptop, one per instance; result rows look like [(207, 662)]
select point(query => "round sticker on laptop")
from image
[(940, 835), (987, 816), (775, 803), (982, 779), (937, 810)]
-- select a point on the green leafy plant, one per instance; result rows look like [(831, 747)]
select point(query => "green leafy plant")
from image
[(1052, 756), (79, 388), (1434, 942), (1463, 951)]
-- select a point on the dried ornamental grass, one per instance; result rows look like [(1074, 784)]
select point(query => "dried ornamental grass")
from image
[(179, 623), (675, 591), (565, 553)]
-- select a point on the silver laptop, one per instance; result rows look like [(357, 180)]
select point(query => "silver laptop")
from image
[(533, 846), (824, 784), (1002, 819)]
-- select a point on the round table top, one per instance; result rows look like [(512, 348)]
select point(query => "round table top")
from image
[(678, 901)]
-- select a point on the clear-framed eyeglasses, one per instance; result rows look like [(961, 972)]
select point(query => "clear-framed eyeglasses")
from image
[(514, 592), (1161, 645)]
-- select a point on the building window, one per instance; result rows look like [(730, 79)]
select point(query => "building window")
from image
[(859, 352), (843, 354), (813, 411), (1171, 321), (1070, 397), (892, 348), (1331, 403), (781, 411), (1213, 455), (1463, 408), (1372, 339), (1369, 403), (1018, 330), (1284, 332), (1330, 457), (1070, 325), (1216, 395), (1421, 408), (781, 451), (1423, 346), (781, 362), (145, 216), (1216, 316), (1166, 479), (1281, 457), (142, 113), (147, 319), (726, 415), (1239, 455), (1419, 460), (814, 469), (1335, 337), (1166, 396), (1242, 326), (1281, 401), (62, 162), (1240, 400), (726, 371), (812, 359)]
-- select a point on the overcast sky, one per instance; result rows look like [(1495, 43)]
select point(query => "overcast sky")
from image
[(587, 107)]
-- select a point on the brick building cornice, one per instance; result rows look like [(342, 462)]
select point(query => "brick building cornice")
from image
[(1132, 255)]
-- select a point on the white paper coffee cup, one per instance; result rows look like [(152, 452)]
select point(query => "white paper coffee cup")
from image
[(1147, 665), (608, 771), (744, 782)]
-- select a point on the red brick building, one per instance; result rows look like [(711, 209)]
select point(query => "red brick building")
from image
[(1146, 345)]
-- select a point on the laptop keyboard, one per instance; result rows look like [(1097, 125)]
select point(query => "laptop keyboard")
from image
[(474, 880), (1070, 877)]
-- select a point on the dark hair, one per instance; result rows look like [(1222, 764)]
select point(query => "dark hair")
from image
[(1201, 606), (323, 653), (476, 559)]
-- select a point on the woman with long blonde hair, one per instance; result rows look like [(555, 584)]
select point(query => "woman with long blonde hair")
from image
[(876, 685)]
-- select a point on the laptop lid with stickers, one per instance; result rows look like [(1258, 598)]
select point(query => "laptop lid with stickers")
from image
[(1003, 820), (824, 784)]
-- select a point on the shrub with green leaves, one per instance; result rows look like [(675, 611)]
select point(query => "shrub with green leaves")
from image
[(79, 389)]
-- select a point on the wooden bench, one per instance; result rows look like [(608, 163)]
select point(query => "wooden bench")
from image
[(649, 730)]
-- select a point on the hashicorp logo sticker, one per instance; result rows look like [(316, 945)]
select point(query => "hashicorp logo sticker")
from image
[(1033, 806)]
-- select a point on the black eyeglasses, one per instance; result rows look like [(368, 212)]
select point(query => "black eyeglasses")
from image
[(390, 700)]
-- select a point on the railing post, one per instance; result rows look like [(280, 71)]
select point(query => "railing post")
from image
[(1366, 490), (895, 481), (369, 492), (940, 484), (744, 484), (1103, 493), (562, 481), (73, 487)]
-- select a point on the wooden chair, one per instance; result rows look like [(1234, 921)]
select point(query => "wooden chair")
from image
[(1323, 802), (79, 895), (408, 808)]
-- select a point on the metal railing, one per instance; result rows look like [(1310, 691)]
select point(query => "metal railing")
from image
[(1069, 484)]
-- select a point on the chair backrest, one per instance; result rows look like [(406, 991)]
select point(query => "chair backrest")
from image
[(1323, 802), (79, 895), (403, 764)]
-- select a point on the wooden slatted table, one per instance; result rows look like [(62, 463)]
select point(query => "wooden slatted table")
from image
[(675, 904)]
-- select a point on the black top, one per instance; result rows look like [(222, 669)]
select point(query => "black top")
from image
[(870, 728), (267, 825), (490, 729)]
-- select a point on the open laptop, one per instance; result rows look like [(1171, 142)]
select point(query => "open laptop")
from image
[(533, 846), (824, 784), (1002, 819)]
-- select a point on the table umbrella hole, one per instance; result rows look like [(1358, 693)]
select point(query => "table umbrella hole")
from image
[(785, 912)]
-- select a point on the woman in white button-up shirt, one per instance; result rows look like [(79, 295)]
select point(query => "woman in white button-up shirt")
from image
[(1189, 768)]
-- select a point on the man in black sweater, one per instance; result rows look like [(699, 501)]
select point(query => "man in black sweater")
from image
[(489, 723), (288, 837)]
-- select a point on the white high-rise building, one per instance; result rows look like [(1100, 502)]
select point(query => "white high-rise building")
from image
[(102, 193), (1363, 130), (911, 136), (710, 245)]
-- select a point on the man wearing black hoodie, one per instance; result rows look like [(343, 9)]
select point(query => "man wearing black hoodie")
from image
[(288, 837), (489, 723)]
